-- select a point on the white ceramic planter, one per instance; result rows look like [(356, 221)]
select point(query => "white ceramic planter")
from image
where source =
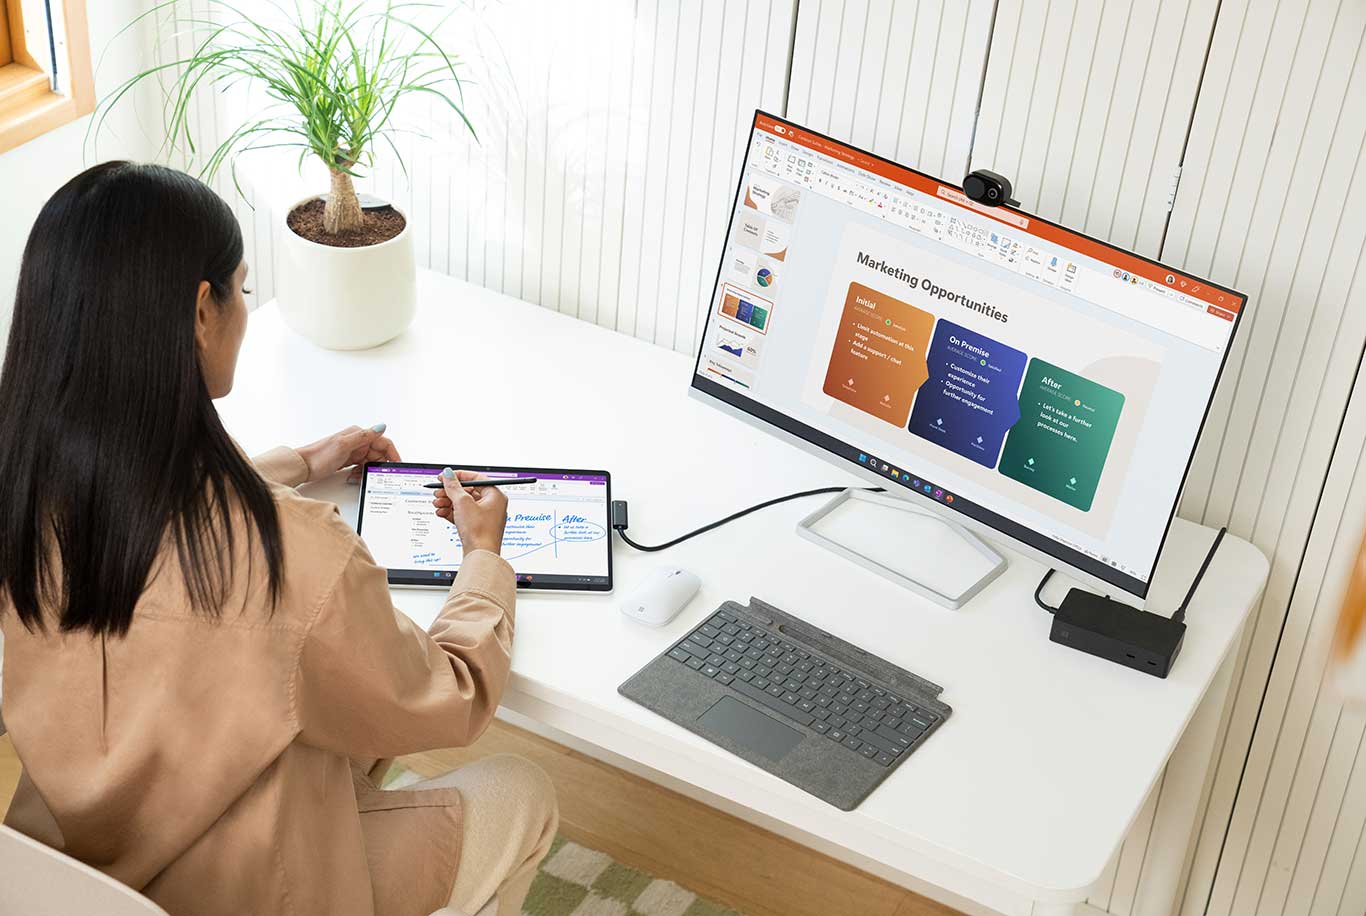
[(346, 298)]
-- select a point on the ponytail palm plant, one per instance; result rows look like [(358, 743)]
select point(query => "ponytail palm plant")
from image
[(332, 73)]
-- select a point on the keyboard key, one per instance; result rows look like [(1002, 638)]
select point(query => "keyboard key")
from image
[(896, 738), (744, 675), (768, 702), (838, 721), (716, 661), (730, 667), (885, 759), (807, 693), (733, 656), (726, 616), (823, 701), (710, 670), (868, 751), (707, 630), (724, 640), (852, 743), (880, 741), (763, 670), (853, 728), (836, 734), (791, 698), (820, 713), (792, 685), (693, 649), (774, 690), (694, 663), (806, 706), (760, 682), (724, 678), (678, 654), (820, 727), (921, 721)]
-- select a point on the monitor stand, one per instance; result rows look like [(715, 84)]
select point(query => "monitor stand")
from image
[(916, 548)]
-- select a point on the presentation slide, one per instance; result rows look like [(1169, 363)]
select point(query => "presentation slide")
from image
[(1009, 390), (555, 528)]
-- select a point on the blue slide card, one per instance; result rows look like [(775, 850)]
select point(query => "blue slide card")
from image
[(971, 398)]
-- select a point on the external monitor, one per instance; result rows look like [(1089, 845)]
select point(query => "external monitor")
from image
[(1034, 383)]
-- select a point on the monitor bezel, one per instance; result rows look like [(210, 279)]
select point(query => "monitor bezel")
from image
[(1035, 544)]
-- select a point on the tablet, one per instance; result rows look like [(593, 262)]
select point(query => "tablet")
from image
[(556, 536)]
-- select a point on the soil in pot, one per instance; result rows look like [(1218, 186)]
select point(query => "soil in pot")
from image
[(379, 225)]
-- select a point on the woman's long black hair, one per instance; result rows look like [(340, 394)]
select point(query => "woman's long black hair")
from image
[(110, 446)]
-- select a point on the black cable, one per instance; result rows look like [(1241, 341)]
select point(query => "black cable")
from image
[(1180, 614), (652, 548), (1038, 592)]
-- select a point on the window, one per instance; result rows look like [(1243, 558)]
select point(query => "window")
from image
[(45, 78)]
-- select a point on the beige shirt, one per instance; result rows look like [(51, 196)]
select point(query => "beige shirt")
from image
[(209, 763)]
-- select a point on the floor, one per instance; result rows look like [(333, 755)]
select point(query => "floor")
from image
[(667, 835)]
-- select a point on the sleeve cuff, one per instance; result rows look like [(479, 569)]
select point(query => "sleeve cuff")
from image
[(485, 571), (282, 465)]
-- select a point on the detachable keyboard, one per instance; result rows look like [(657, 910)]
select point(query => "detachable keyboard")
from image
[(806, 706)]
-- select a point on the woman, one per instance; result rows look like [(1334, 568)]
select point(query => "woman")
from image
[(202, 667)]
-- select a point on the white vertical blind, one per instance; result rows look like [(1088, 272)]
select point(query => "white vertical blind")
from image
[(1086, 107), (899, 77), (1274, 202)]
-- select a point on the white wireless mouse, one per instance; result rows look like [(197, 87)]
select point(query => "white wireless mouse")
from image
[(658, 599)]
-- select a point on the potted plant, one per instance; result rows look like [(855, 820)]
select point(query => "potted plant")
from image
[(327, 79)]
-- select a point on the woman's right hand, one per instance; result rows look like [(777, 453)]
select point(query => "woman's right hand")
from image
[(478, 513)]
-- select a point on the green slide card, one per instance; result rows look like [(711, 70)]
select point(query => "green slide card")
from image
[(1059, 444)]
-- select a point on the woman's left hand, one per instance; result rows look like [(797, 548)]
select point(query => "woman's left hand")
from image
[(351, 447)]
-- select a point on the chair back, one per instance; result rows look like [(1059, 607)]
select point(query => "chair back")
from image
[(37, 880)]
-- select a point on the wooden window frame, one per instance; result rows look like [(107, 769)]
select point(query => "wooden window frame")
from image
[(28, 106)]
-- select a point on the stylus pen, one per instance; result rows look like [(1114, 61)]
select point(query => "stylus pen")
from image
[(485, 482)]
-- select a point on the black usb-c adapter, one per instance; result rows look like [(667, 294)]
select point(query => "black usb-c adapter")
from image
[(1109, 629)]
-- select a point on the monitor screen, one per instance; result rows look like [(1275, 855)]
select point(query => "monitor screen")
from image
[(1041, 383)]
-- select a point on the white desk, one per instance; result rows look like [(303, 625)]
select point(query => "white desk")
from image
[(1017, 803)]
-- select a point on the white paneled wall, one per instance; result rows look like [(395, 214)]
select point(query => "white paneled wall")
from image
[(1273, 202), (898, 77), (1086, 106)]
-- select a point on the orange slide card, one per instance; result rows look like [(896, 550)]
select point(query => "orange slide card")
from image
[(878, 361)]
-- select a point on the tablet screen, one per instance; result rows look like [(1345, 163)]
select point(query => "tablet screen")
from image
[(556, 535)]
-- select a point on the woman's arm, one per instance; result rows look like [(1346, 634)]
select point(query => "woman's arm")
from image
[(371, 683), (351, 447)]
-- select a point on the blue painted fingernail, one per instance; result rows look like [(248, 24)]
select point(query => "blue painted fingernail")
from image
[(448, 473), (379, 427)]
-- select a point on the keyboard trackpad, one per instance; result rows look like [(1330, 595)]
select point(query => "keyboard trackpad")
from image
[(751, 728)]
